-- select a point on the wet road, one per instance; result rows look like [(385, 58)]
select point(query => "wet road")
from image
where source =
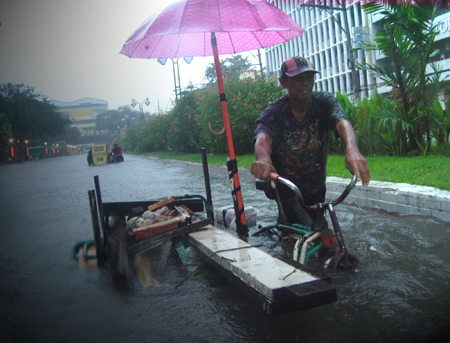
[(399, 293)]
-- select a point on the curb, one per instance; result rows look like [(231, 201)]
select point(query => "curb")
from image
[(401, 198)]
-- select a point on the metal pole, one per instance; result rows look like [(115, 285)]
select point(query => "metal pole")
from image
[(241, 221), (260, 64), (207, 184)]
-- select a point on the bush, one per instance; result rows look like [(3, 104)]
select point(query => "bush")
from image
[(380, 122), (185, 128)]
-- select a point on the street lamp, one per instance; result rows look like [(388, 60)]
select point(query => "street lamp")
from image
[(176, 72), (26, 141), (128, 120), (134, 103), (12, 150)]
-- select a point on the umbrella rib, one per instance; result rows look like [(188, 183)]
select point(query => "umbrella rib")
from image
[(182, 17), (154, 47), (220, 18), (279, 15), (250, 9), (231, 41), (253, 32), (178, 46), (259, 42)]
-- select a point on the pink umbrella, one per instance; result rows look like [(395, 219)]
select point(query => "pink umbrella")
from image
[(191, 28)]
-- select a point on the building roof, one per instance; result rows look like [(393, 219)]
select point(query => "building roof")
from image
[(83, 102)]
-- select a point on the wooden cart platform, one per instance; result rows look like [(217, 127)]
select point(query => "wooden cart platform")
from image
[(275, 285)]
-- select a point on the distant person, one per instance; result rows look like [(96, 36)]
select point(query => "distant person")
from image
[(292, 139), (117, 150), (90, 160), (116, 153)]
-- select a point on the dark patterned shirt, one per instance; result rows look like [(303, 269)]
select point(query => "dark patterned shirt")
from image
[(300, 148)]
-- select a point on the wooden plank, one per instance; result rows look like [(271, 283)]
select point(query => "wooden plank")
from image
[(126, 208), (159, 227), (161, 203), (158, 239), (276, 286)]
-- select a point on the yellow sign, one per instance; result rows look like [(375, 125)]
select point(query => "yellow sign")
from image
[(100, 154)]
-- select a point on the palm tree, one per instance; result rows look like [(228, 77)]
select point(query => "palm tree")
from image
[(407, 41)]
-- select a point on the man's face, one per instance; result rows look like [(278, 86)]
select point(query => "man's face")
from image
[(299, 86)]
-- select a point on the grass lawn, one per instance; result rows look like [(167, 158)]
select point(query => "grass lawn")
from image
[(431, 171)]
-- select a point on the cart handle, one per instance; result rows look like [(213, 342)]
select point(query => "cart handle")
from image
[(277, 178)]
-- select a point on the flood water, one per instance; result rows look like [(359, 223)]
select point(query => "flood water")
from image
[(400, 292)]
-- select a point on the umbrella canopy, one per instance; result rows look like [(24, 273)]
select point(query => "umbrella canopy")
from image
[(191, 28), (183, 29)]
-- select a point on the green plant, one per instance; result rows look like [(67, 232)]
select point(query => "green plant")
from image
[(440, 127), (407, 42)]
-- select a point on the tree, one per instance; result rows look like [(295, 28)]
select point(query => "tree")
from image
[(71, 136), (30, 115), (5, 131), (113, 120), (407, 41), (231, 67)]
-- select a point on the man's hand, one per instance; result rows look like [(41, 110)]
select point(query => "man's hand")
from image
[(262, 170), (357, 165), (354, 161)]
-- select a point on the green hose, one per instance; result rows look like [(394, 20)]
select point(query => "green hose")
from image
[(85, 245), (312, 251)]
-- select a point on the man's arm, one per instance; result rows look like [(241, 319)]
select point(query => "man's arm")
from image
[(354, 161), (262, 167)]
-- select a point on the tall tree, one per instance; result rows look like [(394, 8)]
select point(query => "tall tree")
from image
[(232, 67), (30, 115), (5, 131)]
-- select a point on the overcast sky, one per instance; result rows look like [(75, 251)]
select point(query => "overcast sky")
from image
[(70, 49)]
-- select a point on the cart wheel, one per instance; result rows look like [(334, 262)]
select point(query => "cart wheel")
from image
[(344, 261)]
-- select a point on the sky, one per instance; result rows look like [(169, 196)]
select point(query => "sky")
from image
[(69, 50)]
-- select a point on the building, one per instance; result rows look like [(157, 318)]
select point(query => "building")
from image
[(329, 36), (82, 113)]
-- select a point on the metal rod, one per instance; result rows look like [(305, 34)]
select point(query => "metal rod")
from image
[(99, 202), (96, 228), (209, 208)]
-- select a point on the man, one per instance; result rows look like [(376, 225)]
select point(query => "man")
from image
[(116, 153), (90, 159), (292, 139), (116, 150)]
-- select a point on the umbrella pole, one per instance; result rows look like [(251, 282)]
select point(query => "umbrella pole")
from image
[(241, 221)]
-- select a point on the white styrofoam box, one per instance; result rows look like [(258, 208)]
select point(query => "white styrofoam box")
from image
[(225, 216)]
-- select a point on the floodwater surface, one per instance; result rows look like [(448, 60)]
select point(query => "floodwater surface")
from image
[(400, 291)]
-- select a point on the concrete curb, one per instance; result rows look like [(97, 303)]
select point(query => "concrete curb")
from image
[(399, 198)]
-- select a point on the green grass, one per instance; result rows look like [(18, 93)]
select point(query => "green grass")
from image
[(431, 171)]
